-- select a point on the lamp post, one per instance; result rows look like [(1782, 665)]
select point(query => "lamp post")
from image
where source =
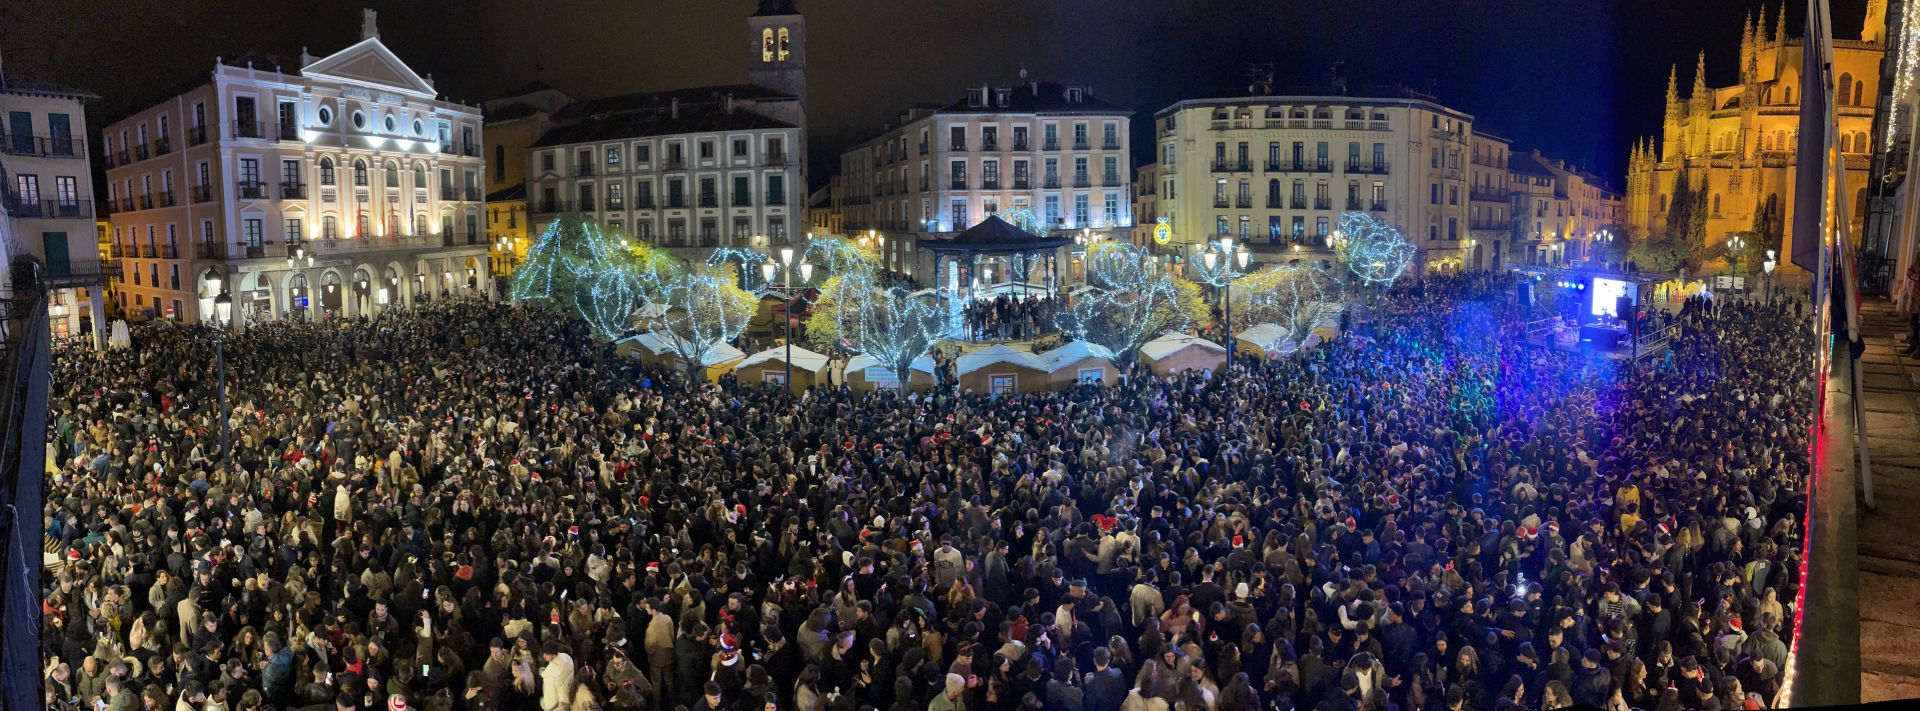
[(300, 258), (1735, 244), (787, 295), (1219, 264), (223, 315)]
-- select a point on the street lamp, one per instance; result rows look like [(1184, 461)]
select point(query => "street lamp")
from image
[(1218, 265), (223, 316), (787, 295), (1736, 244)]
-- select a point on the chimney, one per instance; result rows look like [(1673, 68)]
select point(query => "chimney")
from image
[(369, 26), (729, 103), (673, 109)]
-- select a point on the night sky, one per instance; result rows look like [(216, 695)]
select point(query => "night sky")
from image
[(1577, 79)]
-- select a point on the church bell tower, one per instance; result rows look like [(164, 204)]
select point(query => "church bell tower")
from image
[(778, 59)]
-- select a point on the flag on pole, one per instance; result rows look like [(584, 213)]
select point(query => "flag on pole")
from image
[(1816, 120)]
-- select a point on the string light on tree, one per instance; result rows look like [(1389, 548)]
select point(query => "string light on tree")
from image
[(1372, 249)]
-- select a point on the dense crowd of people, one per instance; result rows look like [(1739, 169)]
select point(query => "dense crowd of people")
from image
[(1008, 317), (469, 505)]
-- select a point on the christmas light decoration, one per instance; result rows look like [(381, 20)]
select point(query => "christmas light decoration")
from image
[(1908, 49), (579, 269), (1372, 249), (744, 262), (833, 255), (704, 310), (1129, 302), (1294, 296)]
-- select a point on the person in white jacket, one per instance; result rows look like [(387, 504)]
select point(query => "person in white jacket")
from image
[(556, 679)]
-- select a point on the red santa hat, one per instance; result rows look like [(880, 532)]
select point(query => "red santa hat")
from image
[(653, 566), (1239, 541)]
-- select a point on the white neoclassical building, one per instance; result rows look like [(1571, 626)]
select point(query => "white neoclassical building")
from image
[(331, 190)]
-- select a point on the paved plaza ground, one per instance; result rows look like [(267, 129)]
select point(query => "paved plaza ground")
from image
[(1889, 560)]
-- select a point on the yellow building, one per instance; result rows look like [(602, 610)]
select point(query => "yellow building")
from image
[(1739, 141), (1146, 204), (513, 122)]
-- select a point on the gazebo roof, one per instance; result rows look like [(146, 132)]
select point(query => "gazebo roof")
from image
[(994, 235)]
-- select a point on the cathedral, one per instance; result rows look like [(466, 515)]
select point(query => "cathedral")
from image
[(1735, 145)]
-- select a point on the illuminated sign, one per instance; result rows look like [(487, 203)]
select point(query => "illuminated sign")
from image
[(1162, 232)]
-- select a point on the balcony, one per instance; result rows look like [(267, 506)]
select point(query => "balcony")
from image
[(288, 131), (448, 148), (1230, 166), (643, 202), (470, 150), (201, 193), (1220, 202), (21, 144), (1021, 145), (614, 203), (923, 148), (196, 135), (167, 198), (448, 194), (676, 163), (583, 171), (126, 204), (146, 201), (709, 200), (1322, 204), (336, 246), (251, 189), (249, 129), (1051, 183), (1319, 167), (1022, 184), (1243, 202), (776, 159), (1080, 180), (162, 146), (1353, 204), (1274, 203), (1052, 144), (1112, 145), (1298, 203), (1378, 207), (141, 152), (1082, 145), (676, 202), (990, 184), (957, 146), (293, 191), (990, 145), (776, 199), (548, 207), (586, 204), (1110, 180), (1487, 194), (957, 184), (48, 208), (1274, 166)]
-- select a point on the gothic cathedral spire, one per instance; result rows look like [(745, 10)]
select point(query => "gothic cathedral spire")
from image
[(1673, 92)]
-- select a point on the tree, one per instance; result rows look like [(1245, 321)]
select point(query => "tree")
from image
[(705, 309), (580, 270), (1373, 250), (1130, 303), (1751, 250), (1658, 254), (889, 324), (1686, 229), (1615, 249), (1292, 295)]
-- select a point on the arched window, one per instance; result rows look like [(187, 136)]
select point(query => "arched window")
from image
[(1779, 140), (1356, 114), (326, 171), (785, 42), (420, 176), (392, 174), (1846, 143), (1858, 88), (1716, 203), (1323, 113), (766, 45), (359, 172), (1273, 193), (1663, 202), (1860, 142), (1845, 89), (365, 224), (420, 223), (1789, 94)]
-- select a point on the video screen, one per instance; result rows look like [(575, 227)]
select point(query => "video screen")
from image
[(1607, 293)]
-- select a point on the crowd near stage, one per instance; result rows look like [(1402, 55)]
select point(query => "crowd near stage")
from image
[(478, 505)]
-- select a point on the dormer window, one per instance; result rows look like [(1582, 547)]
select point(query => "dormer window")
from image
[(975, 98), (1074, 94), (1001, 97)]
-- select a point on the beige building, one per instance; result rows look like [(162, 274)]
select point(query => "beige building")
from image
[(47, 205), (1146, 204), (1739, 143), (1055, 151), (688, 169), (1489, 203), (1276, 172), (514, 121), (334, 189), (1558, 210)]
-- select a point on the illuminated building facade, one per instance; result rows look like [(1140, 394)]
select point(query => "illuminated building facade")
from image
[(1053, 150), (1739, 143), (335, 189), (1274, 172)]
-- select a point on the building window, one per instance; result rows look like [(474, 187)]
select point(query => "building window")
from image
[(1052, 210), (1320, 227), (742, 229), (294, 233), (1111, 209), (1080, 211), (254, 232), (960, 215)]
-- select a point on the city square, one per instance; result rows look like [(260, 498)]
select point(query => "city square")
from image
[(331, 389)]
